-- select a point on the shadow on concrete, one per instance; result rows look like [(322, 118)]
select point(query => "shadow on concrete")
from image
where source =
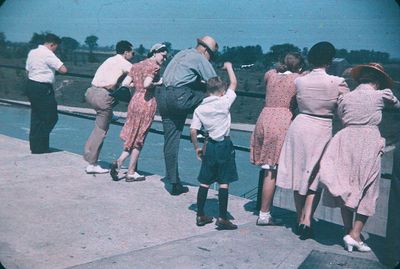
[(326, 260), (284, 216), (168, 185), (211, 208), (51, 151), (325, 233)]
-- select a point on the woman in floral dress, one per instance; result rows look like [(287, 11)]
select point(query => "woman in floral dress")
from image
[(144, 76), (272, 124)]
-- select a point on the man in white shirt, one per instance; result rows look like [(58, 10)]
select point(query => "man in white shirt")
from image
[(218, 157), (41, 65), (104, 82)]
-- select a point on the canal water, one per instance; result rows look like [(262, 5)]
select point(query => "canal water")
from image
[(70, 134)]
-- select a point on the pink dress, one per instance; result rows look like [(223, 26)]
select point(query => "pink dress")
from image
[(141, 108), (350, 167), (274, 120), (309, 133)]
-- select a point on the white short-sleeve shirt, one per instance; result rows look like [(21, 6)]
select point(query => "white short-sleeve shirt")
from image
[(109, 72), (41, 64), (213, 114)]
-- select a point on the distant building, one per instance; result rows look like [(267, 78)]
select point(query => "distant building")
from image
[(338, 66)]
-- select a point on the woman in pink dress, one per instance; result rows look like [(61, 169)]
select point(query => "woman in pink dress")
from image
[(274, 120), (350, 167), (144, 76), (316, 94)]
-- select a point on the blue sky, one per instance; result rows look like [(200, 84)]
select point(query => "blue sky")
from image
[(350, 24)]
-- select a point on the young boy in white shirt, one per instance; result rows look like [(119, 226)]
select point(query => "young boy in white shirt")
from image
[(218, 157)]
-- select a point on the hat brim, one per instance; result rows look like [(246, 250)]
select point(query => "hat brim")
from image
[(199, 41), (356, 72)]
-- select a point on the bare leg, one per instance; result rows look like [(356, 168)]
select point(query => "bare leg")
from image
[(310, 205), (299, 201), (347, 217), (358, 225), (125, 154), (132, 164), (268, 190)]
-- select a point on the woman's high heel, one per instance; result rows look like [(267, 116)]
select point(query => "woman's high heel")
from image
[(350, 243)]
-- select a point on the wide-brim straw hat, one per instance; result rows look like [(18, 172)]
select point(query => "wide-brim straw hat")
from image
[(321, 53), (357, 70), (209, 43)]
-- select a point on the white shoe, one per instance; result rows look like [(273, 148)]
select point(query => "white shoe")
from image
[(268, 221), (95, 169), (349, 243), (134, 177)]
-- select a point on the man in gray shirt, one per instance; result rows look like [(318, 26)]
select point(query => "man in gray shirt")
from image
[(184, 80)]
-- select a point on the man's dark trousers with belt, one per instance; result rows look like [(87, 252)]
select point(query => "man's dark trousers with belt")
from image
[(43, 115), (174, 103)]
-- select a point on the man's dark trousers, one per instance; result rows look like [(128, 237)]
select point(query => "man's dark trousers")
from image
[(43, 115), (174, 103)]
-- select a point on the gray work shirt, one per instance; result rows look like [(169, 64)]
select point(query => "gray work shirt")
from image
[(186, 67)]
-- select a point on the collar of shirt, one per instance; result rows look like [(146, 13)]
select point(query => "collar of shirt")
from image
[(286, 73), (319, 70)]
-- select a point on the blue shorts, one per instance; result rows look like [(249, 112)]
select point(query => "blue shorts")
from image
[(218, 163)]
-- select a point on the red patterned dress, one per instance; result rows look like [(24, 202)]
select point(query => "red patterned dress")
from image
[(142, 107), (274, 120)]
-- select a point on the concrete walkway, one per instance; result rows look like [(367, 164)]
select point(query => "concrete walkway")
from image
[(53, 215)]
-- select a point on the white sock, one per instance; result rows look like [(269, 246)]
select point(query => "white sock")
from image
[(264, 215)]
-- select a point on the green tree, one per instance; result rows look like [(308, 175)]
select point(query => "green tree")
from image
[(68, 45), (141, 50), (168, 45), (277, 52), (91, 42), (37, 39)]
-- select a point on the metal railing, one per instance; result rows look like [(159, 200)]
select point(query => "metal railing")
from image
[(251, 194)]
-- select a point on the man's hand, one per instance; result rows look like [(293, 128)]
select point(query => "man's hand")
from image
[(199, 154)]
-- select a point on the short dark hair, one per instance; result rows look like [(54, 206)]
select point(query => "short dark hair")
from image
[(216, 84), (123, 46), (369, 75), (52, 38)]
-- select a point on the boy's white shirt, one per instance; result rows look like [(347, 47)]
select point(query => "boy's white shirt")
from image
[(214, 115)]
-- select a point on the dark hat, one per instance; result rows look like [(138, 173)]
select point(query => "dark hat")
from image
[(387, 81), (321, 53)]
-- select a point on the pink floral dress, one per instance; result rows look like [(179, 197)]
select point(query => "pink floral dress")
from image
[(142, 107), (274, 120)]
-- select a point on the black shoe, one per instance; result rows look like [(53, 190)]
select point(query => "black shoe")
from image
[(114, 171), (305, 232), (178, 189), (224, 224), (203, 220)]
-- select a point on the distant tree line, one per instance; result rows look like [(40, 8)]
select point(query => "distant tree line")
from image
[(239, 55)]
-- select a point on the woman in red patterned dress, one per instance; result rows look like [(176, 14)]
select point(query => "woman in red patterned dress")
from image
[(144, 76), (272, 124)]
